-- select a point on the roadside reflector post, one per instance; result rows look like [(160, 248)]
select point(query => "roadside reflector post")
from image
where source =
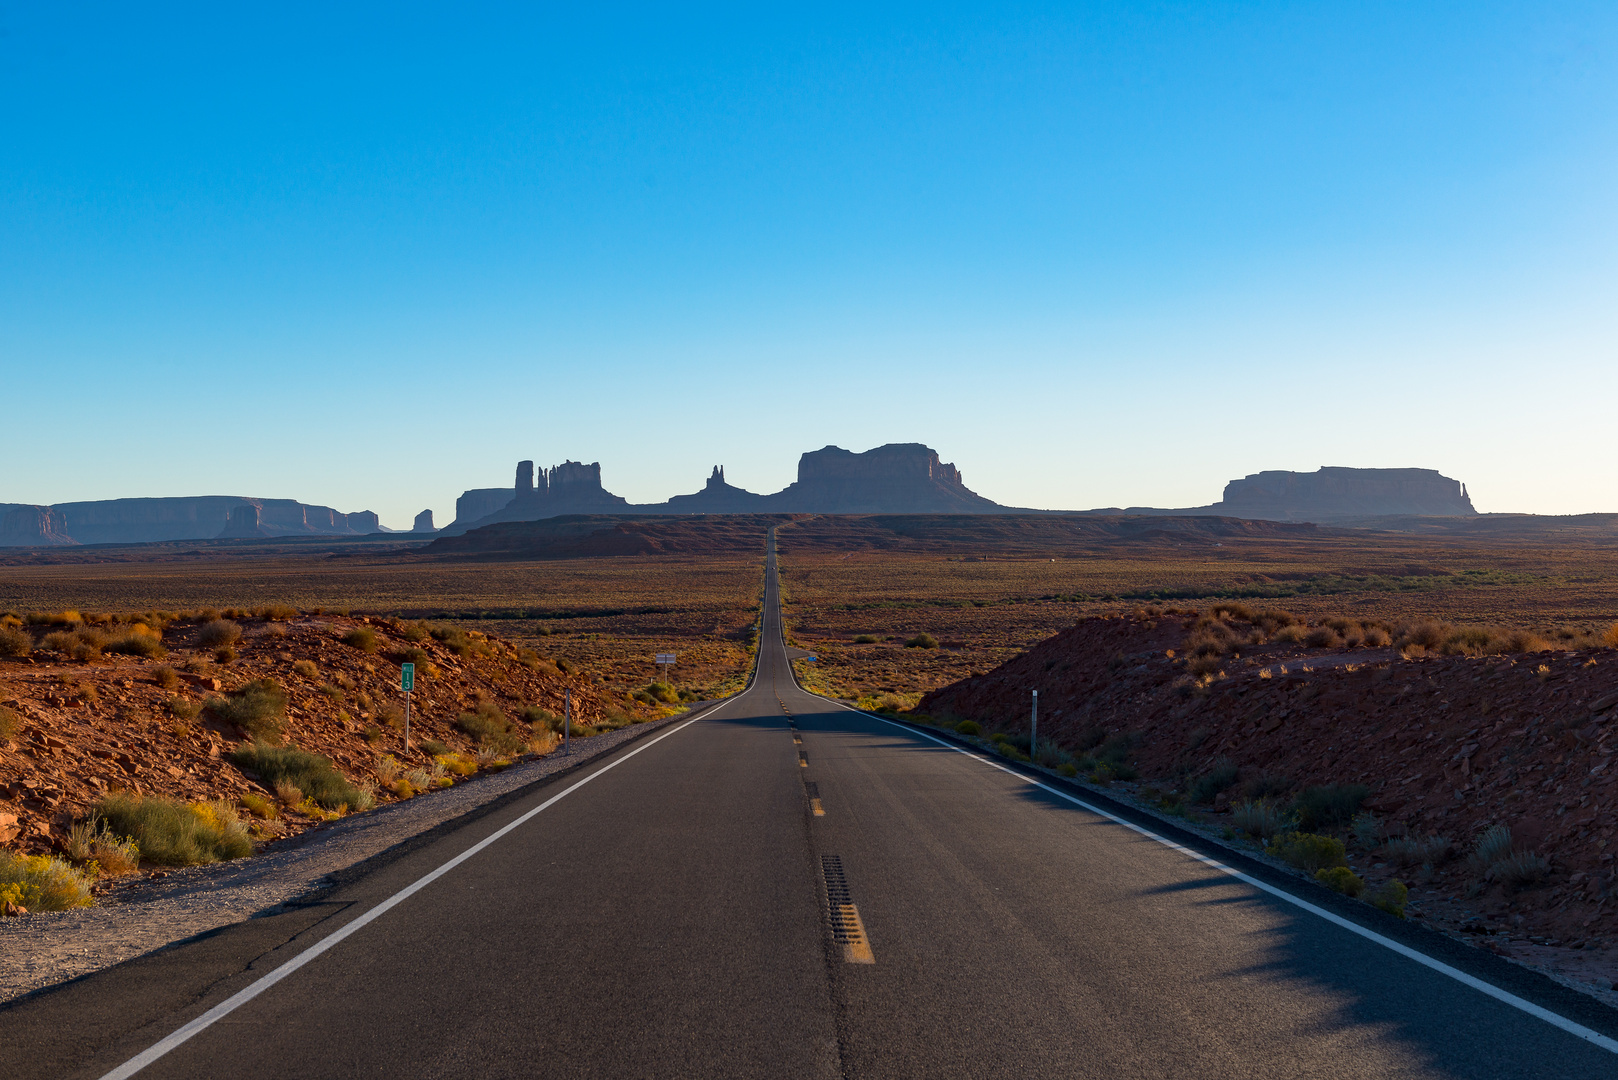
[(1033, 731), (567, 717), (665, 661), (407, 683)]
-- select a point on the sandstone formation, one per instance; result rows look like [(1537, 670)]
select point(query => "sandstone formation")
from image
[(424, 522), (1338, 493), (201, 517), (900, 478), (245, 521), (32, 526)]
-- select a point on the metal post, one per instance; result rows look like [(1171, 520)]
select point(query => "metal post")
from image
[(407, 721), (1033, 735), (567, 717)]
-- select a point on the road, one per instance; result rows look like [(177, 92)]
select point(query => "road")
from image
[(784, 887)]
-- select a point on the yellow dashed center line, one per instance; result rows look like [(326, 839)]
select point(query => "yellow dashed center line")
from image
[(820, 811), (851, 932)]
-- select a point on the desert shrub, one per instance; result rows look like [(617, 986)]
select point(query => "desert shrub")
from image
[(259, 708), (1291, 634), (166, 677), (184, 709), (870, 639), (1204, 664), (1329, 805), (311, 774), (47, 618), (362, 638), (1271, 620), (415, 632), (1259, 818), (260, 807), (413, 655), (278, 612), (41, 883), (1391, 897), (175, 833), (1212, 639), (390, 714), (662, 693), (1376, 637), (1069, 769), (1219, 777), (1520, 869), (138, 642), (1265, 784), (1340, 879), (541, 719), (10, 723), (1610, 636), (922, 641), (490, 727), (1323, 637), (1366, 829), (466, 644), (219, 634), (307, 668), (15, 642), (1309, 852), (434, 748), (968, 727), (90, 841), (1491, 846), (1418, 850), (1114, 753), (456, 764)]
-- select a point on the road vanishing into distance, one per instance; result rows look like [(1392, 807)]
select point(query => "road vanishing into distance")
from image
[(785, 887)]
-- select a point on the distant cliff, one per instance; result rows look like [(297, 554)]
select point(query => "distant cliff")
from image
[(200, 517), (899, 478), (1334, 493)]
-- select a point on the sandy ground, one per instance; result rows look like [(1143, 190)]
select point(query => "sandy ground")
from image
[(151, 912)]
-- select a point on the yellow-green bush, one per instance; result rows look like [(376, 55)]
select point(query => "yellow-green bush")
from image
[(175, 833), (1309, 852), (1340, 879), (41, 883), (1391, 897)]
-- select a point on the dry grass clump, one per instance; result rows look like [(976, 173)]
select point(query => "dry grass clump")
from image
[(10, 723), (1259, 818), (306, 668), (277, 613), (492, 728), (40, 883), (362, 638), (1418, 850), (15, 641), (166, 677), (174, 833), (259, 709), (1309, 852), (106, 854), (140, 640), (219, 634), (1495, 857), (310, 776)]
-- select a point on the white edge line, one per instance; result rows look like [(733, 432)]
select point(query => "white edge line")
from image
[(1554, 1019), (254, 989)]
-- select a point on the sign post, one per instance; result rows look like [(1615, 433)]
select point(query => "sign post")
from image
[(407, 683), (567, 717), (1033, 733), (665, 660)]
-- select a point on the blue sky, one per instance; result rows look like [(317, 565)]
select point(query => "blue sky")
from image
[(1094, 254)]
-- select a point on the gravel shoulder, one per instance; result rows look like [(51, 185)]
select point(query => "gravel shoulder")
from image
[(151, 913)]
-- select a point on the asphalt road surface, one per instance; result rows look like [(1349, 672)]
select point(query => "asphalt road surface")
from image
[(784, 887)]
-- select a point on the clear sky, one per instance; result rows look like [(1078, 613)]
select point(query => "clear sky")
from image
[(1096, 255)]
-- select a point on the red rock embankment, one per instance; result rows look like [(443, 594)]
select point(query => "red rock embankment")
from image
[(1448, 745), (88, 728)]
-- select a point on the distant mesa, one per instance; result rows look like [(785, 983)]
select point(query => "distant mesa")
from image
[(424, 523), (1333, 493), (899, 478), (199, 517), (244, 521)]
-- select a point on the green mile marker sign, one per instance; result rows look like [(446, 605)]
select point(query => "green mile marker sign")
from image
[(407, 677)]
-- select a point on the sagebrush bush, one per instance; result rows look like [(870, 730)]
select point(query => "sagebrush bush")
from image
[(1519, 869), (41, 883), (870, 639), (219, 634), (1340, 879), (174, 833), (1309, 852), (138, 642), (968, 727), (1291, 634), (10, 723), (1259, 818), (1491, 846), (1265, 784), (922, 641), (259, 708), (108, 855), (15, 642), (490, 727), (166, 677), (1323, 637), (307, 668), (541, 719), (277, 612), (1391, 897), (311, 774), (1220, 776), (362, 638), (1329, 805)]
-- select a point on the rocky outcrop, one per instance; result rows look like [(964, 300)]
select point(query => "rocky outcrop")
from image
[(245, 522), (569, 488), (424, 522), (1335, 494), (32, 526), (899, 478), (718, 497), (201, 517)]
